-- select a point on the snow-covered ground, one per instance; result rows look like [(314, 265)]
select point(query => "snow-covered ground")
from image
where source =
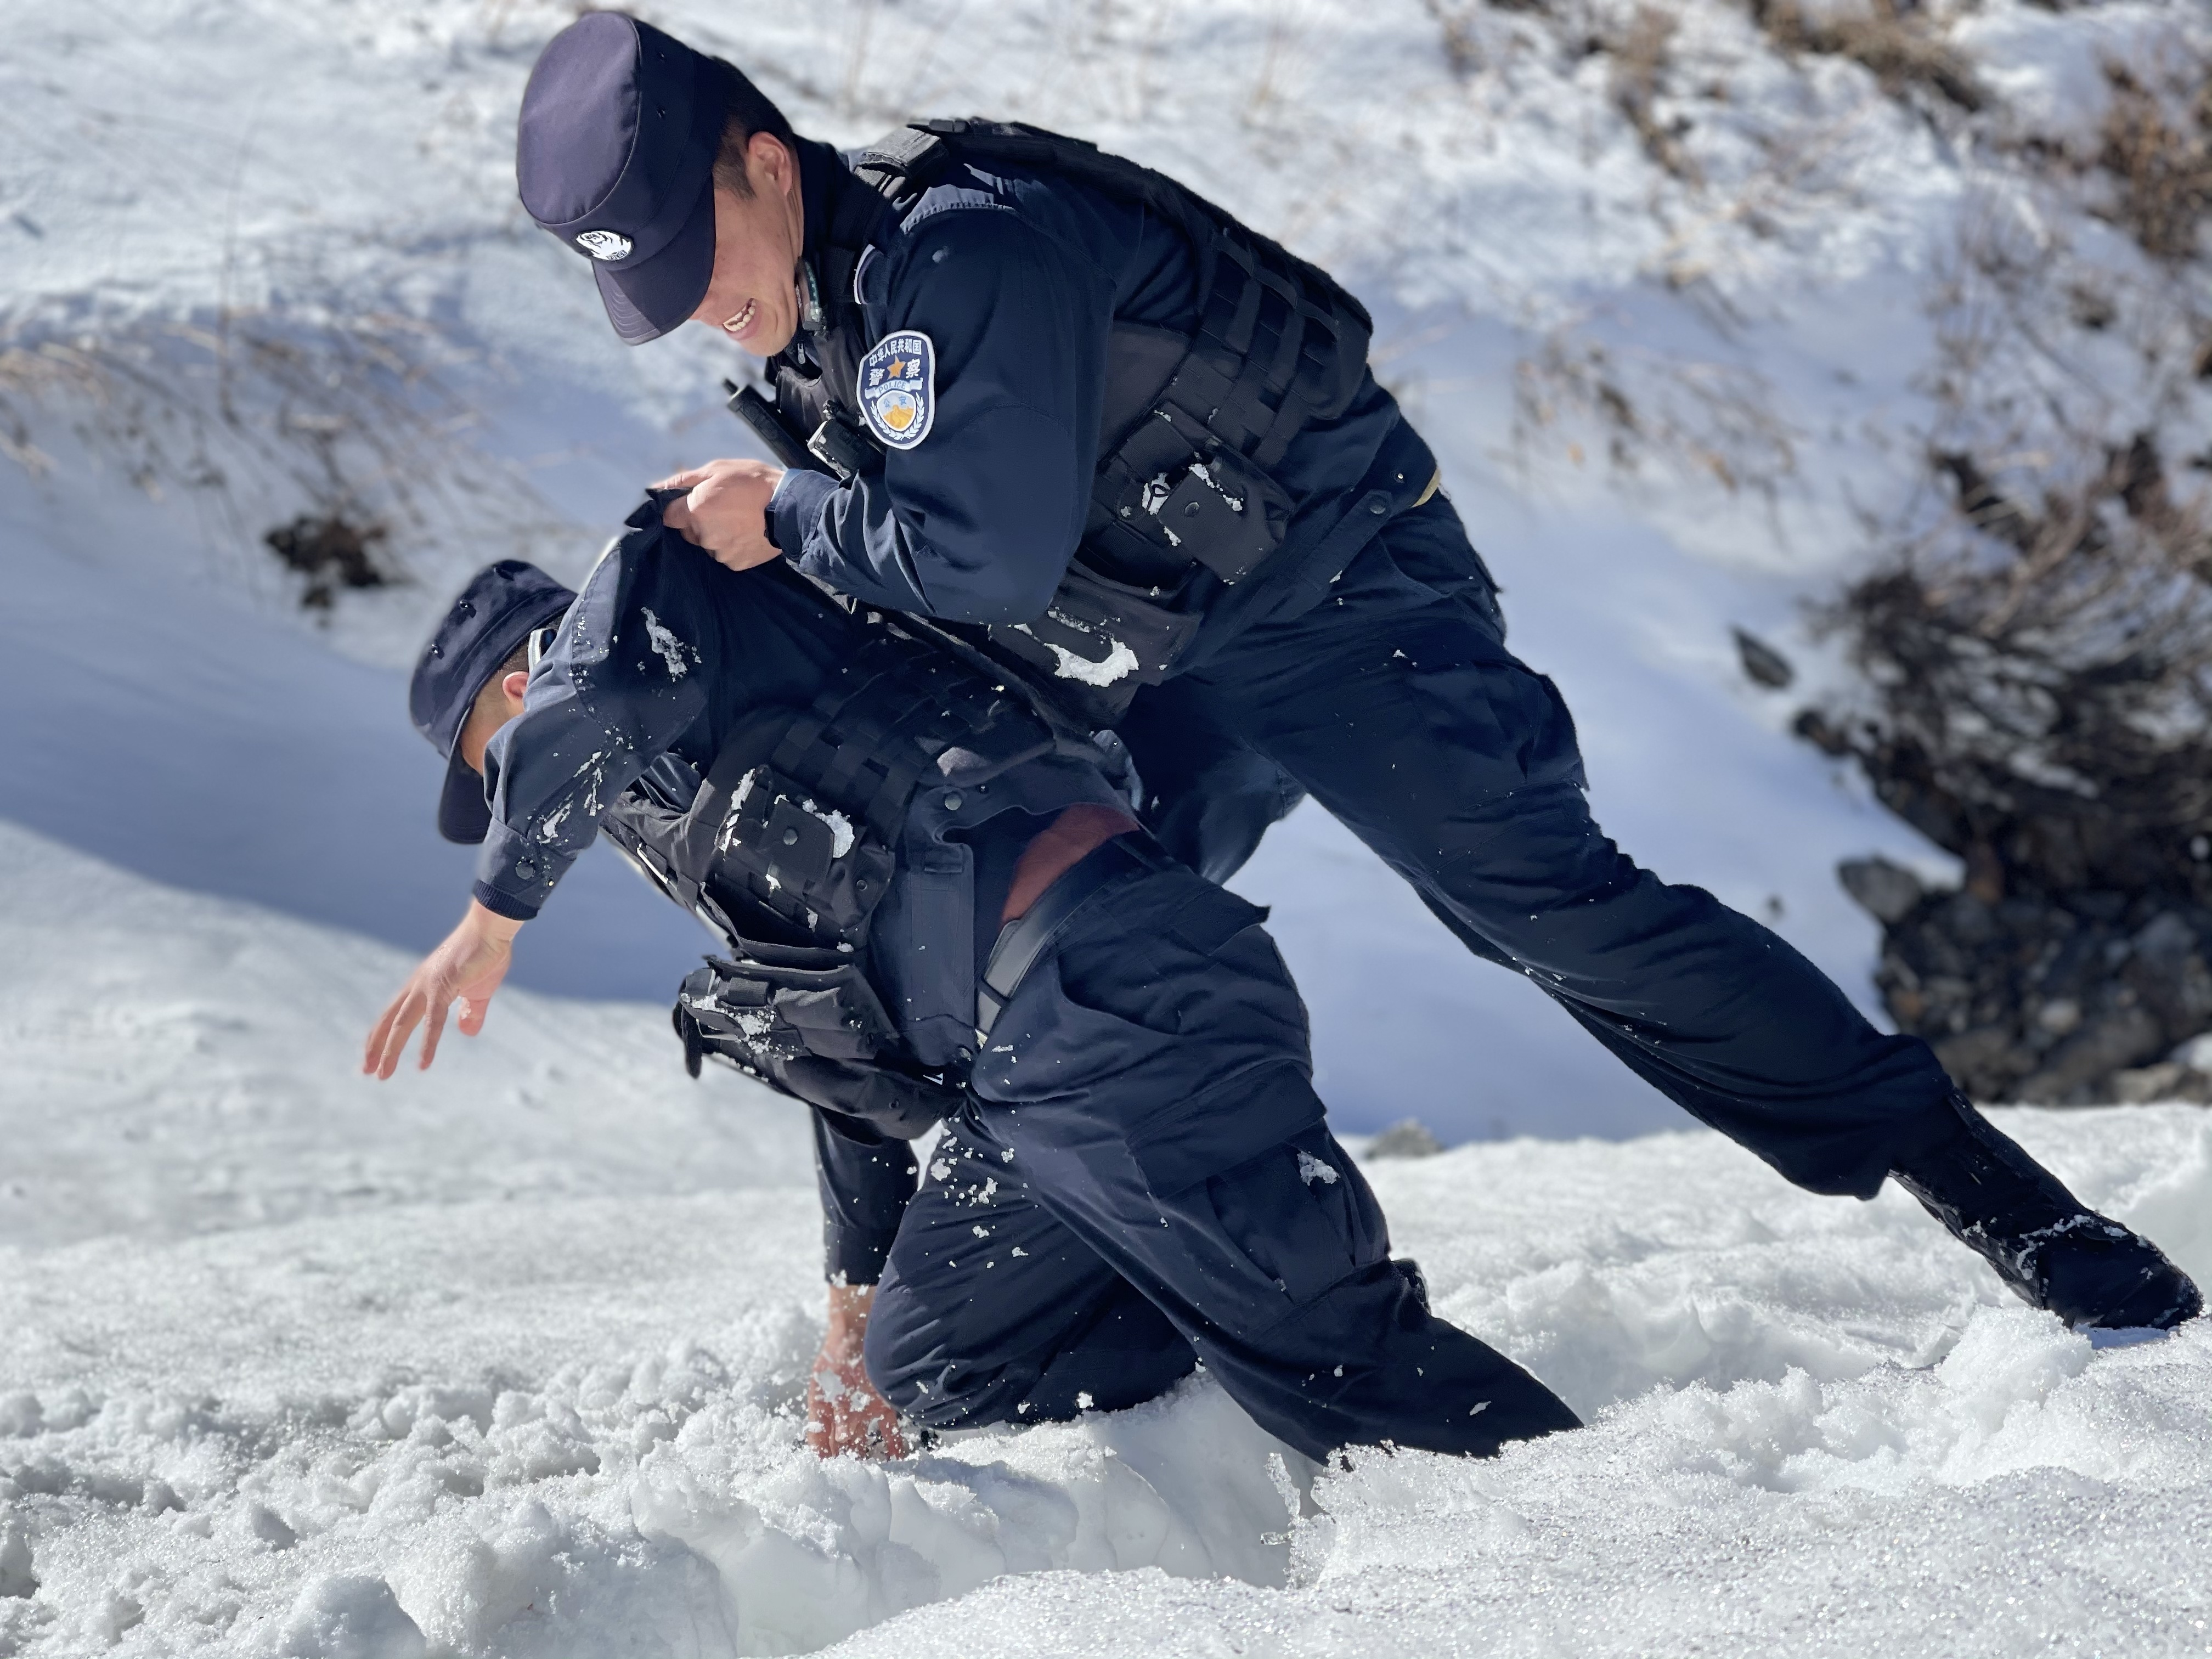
[(505, 1359)]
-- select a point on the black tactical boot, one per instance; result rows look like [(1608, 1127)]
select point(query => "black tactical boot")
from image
[(2091, 1271)]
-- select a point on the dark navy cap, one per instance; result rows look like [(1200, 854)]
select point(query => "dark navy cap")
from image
[(492, 617), (615, 155)]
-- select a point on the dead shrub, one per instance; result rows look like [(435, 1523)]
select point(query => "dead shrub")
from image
[(1639, 58), (1455, 28), (2161, 170), (331, 553), (1895, 41), (2041, 685)]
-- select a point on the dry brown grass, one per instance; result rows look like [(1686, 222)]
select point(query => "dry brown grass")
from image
[(2161, 169), (1897, 43), (1638, 60), (1455, 22), (1710, 420)]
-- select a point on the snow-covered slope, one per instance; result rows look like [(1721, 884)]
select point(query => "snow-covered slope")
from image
[(1683, 302), (177, 1064), (507, 1361)]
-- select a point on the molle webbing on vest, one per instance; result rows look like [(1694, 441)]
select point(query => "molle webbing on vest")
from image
[(794, 831), (869, 740), (1278, 343), (760, 838)]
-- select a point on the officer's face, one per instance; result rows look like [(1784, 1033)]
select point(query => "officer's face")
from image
[(754, 295)]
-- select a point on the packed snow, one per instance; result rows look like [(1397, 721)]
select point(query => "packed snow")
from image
[(507, 1359)]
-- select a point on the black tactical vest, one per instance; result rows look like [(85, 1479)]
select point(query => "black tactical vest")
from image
[(1193, 429), (786, 847)]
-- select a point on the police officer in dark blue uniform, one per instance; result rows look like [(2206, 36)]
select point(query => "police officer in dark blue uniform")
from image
[(936, 907), (1094, 428)]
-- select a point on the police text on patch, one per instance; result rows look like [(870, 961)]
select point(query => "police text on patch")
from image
[(897, 386)]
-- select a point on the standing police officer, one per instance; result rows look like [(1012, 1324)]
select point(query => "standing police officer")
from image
[(1133, 450)]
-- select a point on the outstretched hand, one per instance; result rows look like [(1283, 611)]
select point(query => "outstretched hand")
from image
[(724, 510), (844, 1413), (467, 967)]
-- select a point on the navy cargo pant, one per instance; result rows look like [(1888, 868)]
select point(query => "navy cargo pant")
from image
[(1141, 1180), (1395, 702)]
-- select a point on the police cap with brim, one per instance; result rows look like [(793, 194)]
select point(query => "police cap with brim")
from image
[(615, 157), (490, 620)]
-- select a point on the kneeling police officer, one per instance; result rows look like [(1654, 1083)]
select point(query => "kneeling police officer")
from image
[(1127, 447), (937, 907)]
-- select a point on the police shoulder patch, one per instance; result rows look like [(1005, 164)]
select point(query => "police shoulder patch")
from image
[(897, 388)]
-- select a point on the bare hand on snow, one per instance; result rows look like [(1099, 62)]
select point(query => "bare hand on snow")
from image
[(844, 1413), (468, 965)]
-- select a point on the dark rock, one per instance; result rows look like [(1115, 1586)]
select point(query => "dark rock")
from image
[(2060, 1017), (2168, 971), (1762, 664), (2170, 1079), (1969, 921), (1985, 1061), (2118, 1040), (2056, 1000), (1408, 1138), (1886, 891)]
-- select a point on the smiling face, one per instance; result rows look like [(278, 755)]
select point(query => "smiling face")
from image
[(754, 295)]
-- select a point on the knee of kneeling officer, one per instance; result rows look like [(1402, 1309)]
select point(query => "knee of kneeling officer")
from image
[(896, 1350), (908, 1362)]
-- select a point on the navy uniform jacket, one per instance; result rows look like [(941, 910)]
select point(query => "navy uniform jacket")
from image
[(1018, 279), (662, 654)]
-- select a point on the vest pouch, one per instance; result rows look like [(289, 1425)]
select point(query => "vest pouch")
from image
[(807, 1022), (1229, 514), (811, 866), (1173, 493), (1099, 640)]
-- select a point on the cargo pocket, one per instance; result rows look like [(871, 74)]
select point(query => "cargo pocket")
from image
[(1300, 1213), (1237, 1120), (1144, 975)]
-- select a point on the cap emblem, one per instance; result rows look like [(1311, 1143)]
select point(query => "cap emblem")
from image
[(609, 245)]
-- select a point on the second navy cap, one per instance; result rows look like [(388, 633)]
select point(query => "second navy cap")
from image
[(615, 157), (489, 620)]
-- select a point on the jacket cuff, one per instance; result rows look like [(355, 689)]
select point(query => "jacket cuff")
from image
[(502, 904), (795, 507), (515, 875)]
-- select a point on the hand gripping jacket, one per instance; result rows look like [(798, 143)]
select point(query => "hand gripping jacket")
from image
[(786, 847), (1194, 427)]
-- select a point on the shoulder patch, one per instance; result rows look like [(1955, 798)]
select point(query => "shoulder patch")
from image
[(897, 388)]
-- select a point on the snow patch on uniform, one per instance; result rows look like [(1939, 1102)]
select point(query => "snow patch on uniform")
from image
[(897, 384), (1118, 662), (841, 828), (673, 650)]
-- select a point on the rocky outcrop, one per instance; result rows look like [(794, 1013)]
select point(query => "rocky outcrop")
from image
[(2091, 998)]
